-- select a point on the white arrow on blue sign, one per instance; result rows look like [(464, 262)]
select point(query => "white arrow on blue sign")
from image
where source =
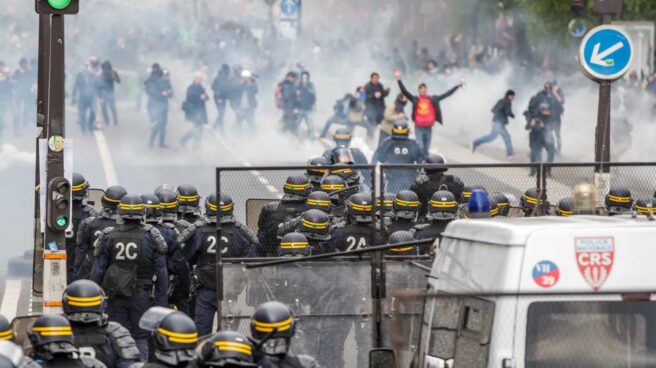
[(289, 7), (606, 53)]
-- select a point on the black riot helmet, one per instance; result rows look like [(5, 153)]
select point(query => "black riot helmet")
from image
[(343, 137), (85, 302), (502, 202), (565, 207), (529, 201), (342, 156), (332, 183), (79, 188), (131, 208), (315, 224), (400, 130), (164, 187), (112, 197), (443, 206), (229, 349), (6, 332), (317, 168), (618, 201), (435, 159), (152, 208), (297, 187), (172, 334), (168, 201), (225, 205), (359, 207), (274, 322), (406, 205), (188, 198), (644, 206), (293, 244), (320, 201), (386, 204), (402, 236), (52, 329)]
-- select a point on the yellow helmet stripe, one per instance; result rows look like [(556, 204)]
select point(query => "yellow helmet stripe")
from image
[(183, 338), (6, 335), (315, 225), (361, 207), (565, 213), (124, 206), (234, 346), (294, 245), (211, 206), (269, 327), (619, 199), (169, 204), (407, 203), (532, 200), (401, 131), (645, 209), (318, 202), (191, 198), (226, 207), (503, 204), (53, 331), (343, 136), (332, 186), (404, 249), (158, 205), (111, 200), (341, 171), (296, 186), (439, 204), (79, 187), (84, 302), (494, 211), (316, 170)]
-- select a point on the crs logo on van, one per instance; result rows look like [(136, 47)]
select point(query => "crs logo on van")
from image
[(595, 257)]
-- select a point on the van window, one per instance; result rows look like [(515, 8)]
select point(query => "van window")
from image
[(596, 334)]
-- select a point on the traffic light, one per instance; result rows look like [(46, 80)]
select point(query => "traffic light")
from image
[(57, 6), (578, 7), (59, 203)]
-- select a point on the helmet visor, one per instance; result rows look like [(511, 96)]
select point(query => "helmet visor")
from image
[(153, 317)]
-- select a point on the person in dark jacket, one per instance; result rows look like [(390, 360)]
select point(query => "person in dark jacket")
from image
[(195, 111), (222, 88), (244, 101), (425, 111), (502, 111), (555, 97), (307, 99), (108, 79), (159, 90), (85, 93), (287, 99), (375, 103)]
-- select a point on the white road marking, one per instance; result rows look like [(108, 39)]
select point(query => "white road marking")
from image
[(9, 306), (105, 158)]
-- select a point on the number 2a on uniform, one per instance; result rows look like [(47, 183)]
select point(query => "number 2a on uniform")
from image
[(355, 243)]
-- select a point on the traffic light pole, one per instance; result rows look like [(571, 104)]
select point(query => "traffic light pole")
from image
[(54, 255)]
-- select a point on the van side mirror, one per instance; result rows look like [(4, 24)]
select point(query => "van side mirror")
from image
[(20, 325), (382, 358)]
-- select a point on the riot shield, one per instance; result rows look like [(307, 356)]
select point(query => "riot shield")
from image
[(330, 299), (253, 210)]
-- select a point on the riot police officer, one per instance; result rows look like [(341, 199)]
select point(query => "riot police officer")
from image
[(644, 206), (618, 201), (399, 149), (316, 200), (188, 203), (402, 236), (273, 326), (433, 180), (172, 336), (530, 206), (237, 241), (565, 207), (90, 230), (385, 207), (180, 289), (80, 212), (294, 244), (315, 225), (503, 203), (53, 344), (406, 209), (227, 349), (342, 138), (296, 190), (176, 263), (359, 229), (443, 208), (85, 306), (316, 171), (126, 261), (335, 186)]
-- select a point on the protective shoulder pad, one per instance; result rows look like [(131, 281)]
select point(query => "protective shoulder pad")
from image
[(160, 242), (422, 179), (252, 238), (122, 341), (187, 232), (99, 240), (168, 225)]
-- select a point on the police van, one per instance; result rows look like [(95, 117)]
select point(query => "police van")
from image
[(542, 292)]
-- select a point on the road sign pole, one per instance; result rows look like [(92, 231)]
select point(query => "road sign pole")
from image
[(54, 256), (602, 136)]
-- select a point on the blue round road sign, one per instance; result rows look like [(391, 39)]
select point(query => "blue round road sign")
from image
[(606, 53), (289, 7)]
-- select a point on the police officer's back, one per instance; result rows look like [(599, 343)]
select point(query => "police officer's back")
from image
[(443, 209), (432, 180), (236, 241), (399, 149), (53, 344), (188, 203), (172, 336), (273, 326), (90, 230), (80, 212), (296, 190), (359, 229), (316, 226), (85, 306), (130, 260)]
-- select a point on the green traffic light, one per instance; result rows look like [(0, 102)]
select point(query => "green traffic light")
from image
[(59, 4), (62, 222)]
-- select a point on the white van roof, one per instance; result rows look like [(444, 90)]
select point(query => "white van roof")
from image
[(579, 254)]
